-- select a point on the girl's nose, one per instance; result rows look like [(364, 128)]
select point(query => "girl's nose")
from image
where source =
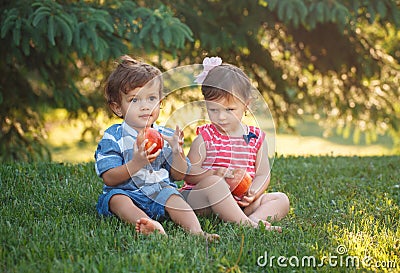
[(222, 115)]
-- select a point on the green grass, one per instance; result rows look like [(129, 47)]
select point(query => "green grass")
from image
[(49, 223)]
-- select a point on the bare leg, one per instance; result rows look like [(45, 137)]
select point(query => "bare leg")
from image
[(214, 192), (182, 214), (122, 206), (272, 206)]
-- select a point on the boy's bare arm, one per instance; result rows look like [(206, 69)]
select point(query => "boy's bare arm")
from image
[(118, 175), (179, 165)]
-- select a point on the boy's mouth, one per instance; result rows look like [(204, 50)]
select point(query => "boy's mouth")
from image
[(145, 116)]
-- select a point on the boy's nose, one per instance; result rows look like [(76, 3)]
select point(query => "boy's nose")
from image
[(144, 105)]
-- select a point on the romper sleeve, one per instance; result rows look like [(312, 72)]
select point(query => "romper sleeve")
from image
[(108, 154)]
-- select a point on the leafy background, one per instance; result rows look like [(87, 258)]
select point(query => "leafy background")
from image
[(334, 61)]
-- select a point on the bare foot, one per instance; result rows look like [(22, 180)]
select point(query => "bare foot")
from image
[(210, 237), (270, 227), (267, 225), (148, 226)]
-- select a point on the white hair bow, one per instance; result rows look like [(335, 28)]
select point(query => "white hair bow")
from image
[(208, 64)]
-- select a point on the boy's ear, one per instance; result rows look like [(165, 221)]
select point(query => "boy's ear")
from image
[(116, 109)]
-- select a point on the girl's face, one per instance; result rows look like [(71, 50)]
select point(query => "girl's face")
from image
[(140, 107), (227, 114)]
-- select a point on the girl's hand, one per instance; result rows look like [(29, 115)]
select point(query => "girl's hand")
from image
[(176, 140), (247, 199)]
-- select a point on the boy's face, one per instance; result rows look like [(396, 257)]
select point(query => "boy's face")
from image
[(140, 107), (227, 114)]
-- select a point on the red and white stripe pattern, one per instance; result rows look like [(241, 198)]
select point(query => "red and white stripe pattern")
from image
[(230, 152)]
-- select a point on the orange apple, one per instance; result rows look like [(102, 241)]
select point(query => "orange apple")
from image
[(153, 136), (240, 183)]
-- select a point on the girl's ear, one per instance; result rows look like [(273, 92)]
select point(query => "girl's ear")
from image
[(116, 109), (246, 107)]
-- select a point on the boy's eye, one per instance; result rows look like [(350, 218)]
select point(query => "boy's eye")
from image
[(229, 109), (134, 99), (153, 98)]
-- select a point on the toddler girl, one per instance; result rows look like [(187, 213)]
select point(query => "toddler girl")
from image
[(227, 144)]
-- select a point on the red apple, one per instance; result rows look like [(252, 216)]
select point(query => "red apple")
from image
[(240, 183), (153, 136)]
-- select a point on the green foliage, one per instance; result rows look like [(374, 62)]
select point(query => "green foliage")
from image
[(337, 60), (162, 28), (49, 222), (47, 47)]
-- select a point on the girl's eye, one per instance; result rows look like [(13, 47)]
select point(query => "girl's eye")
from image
[(229, 109)]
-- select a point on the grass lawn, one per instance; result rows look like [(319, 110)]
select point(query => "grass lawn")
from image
[(344, 216)]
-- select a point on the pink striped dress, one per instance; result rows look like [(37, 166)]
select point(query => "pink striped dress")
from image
[(229, 152)]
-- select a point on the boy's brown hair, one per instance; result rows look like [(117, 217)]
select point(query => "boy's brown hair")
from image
[(128, 75)]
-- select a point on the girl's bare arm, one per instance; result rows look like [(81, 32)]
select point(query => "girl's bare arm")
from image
[(196, 155), (261, 180)]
